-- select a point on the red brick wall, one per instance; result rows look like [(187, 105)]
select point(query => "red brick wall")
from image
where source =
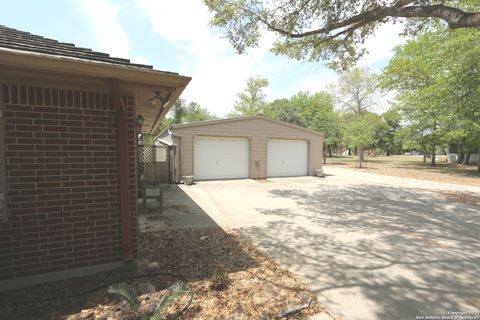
[(63, 180)]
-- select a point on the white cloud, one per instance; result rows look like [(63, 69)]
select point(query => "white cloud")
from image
[(218, 72), (109, 35), (141, 60), (381, 44)]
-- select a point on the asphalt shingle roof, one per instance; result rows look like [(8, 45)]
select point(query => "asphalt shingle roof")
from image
[(24, 41)]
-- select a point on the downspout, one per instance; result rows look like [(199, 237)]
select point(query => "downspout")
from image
[(122, 118)]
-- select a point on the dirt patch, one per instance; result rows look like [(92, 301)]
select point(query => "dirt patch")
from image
[(263, 181), (412, 167), (182, 208), (257, 287), (460, 197)]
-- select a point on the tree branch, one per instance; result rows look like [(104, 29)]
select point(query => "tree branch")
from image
[(455, 18)]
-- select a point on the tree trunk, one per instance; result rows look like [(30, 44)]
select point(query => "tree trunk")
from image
[(467, 158), (478, 168), (424, 157), (461, 156), (330, 151), (361, 158), (349, 151), (434, 154), (355, 151), (434, 143)]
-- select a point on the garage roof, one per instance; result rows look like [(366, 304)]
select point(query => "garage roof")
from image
[(217, 121)]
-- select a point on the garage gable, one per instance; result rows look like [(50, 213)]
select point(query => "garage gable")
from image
[(242, 125)]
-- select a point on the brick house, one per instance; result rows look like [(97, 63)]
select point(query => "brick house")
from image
[(68, 142)]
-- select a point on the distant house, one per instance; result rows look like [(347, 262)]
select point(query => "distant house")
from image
[(68, 138), (454, 156)]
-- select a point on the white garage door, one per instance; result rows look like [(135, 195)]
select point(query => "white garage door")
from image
[(221, 158), (287, 158)]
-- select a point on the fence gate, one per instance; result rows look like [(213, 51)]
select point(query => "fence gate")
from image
[(154, 165)]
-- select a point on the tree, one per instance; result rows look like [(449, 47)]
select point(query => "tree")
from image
[(282, 109), (252, 100), (318, 112), (313, 111), (194, 113), (389, 140), (437, 77), (355, 93), (462, 88), (413, 138), (181, 112), (361, 131), (178, 112), (319, 30), (356, 90)]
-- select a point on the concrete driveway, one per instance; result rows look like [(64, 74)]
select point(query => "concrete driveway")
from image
[(370, 246)]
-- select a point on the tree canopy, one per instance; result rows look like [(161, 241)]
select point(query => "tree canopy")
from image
[(313, 111), (356, 90), (183, 112), (437, 77), (330, 30), (252, 100), (362, 131)]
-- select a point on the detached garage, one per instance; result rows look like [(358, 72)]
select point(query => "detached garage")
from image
[(245, 147)]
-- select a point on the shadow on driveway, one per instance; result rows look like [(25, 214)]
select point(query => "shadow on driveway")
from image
[(179, 211), (377, 252)]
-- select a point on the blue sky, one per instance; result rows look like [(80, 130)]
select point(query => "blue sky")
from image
[(174, 36)]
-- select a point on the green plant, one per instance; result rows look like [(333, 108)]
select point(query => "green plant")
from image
[(126, 292), (220, 279), (174, 292)]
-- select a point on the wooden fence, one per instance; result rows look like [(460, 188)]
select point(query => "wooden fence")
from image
[(154, 165)]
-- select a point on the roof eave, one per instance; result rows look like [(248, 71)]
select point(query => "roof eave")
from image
[(33, 60), (67, 65)]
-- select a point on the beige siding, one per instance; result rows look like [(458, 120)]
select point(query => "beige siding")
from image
[(178, 156), (187, 155), (258, 131)]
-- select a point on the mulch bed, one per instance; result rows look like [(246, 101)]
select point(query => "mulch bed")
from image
[(252, 286)]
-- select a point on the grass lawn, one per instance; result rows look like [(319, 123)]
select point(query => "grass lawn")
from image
[(411, 166)]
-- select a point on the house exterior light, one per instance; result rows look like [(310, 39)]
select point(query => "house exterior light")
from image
[(139, 120)]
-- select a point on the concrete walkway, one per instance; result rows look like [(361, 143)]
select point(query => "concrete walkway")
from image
[(370, 246)]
